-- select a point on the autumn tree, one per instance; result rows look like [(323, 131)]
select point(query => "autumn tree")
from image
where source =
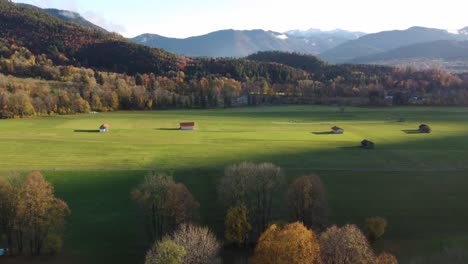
[(182, 206), (237, 226), (253, 186), (200, 243), (293, 244), (40, 214), (375, 228), (164, 204), (166, 252), (386, 258), (345, 245), (307, 201)]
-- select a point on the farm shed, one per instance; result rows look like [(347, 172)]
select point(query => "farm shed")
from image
[(104, 128), (367, 144), (337, 130), (187, 126), (424, 128)]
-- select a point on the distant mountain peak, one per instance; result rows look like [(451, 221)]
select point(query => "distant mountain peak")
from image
[(463, 31)]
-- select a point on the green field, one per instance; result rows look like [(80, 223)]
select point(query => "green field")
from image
[(417, 181)]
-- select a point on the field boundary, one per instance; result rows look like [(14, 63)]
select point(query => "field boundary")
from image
[(284, 168)]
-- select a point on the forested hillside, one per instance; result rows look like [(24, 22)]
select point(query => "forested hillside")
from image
[(71, 44), (58, 67)]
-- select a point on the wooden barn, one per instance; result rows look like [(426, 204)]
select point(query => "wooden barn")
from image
[(367, 144), (424, 128), (337, 130), (104, 128), (187, 126)]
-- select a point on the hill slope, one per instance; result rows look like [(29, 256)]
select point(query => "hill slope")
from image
[(449, 54), (67, 16), (442, 49), (68, 43)]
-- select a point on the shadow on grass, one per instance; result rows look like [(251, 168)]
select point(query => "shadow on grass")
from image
[(86, 131), (168, 129), (350, 148), (414, 131), (323, 133)]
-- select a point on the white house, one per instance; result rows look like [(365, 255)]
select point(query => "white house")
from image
[(337, 130)]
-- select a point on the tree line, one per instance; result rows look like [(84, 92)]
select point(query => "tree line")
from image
[(34, 85)]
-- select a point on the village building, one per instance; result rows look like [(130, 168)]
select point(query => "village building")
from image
[(187, 126), (104, 128), (337, 130), (424, 129), (367, 144)]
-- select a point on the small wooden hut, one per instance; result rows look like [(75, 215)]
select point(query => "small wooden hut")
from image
[(187, 126), (367, 144), (424, 129), (337, 130), (104, 128)]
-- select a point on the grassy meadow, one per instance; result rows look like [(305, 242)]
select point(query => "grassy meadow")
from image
[(416, 181)]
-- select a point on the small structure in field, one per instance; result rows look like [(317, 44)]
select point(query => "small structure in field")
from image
[(367, 144), (424, 129), (187, 126), (104, 128), (337, 130)]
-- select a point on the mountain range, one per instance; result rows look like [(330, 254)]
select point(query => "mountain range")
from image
[(241, 43), (413, 46), (395, 47), (385, 41)]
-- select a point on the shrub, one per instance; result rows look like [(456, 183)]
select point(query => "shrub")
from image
[(375, 228)]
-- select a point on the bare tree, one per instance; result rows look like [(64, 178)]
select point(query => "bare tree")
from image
[(165, 204), (345, 245), (200, 243), (151, 196), (307, 201), (253, 186)]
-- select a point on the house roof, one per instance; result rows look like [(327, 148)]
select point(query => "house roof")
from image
[(187, 124), (105, 126), (336, 128)]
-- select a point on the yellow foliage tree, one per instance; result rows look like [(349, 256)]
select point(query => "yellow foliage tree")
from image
[(237, 225), (293, 244)]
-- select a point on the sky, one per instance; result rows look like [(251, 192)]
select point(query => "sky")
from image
[(185, 18)]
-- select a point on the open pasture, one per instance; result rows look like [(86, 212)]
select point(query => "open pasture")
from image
[(417, 181)]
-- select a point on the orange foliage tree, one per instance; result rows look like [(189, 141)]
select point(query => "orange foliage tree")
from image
[(293, 244)]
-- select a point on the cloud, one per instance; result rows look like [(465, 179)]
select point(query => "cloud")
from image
[(101, 21), (73, 5)]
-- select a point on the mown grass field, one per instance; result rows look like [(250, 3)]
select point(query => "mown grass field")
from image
[(417, 181)]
